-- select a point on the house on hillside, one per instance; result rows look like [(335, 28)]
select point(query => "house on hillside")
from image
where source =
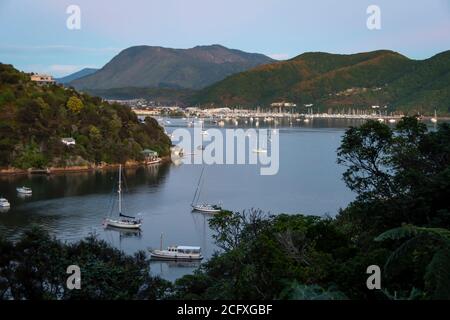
[(42, 79)]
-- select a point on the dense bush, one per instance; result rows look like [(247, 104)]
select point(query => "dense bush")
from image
[(34, 118), (35, 267), (399, 221)]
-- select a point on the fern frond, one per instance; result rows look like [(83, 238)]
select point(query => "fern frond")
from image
[(404, 231), (404, 250), (407, 231), (437, 275)]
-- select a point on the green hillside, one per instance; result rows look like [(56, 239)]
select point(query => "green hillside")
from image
[(337, 81), (34, 119)]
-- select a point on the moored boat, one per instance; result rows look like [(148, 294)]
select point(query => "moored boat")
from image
[(24, 190), (177, 253), (207, 208), (4, 203), (203, 207), (123, 221)]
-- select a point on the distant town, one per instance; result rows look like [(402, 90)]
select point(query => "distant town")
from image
[(278, 109)]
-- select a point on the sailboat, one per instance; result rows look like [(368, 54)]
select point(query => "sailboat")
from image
[(123, 221), (4, 203), (203, 207), (435, 119)]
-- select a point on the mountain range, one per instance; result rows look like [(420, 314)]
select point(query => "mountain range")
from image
[(158, 67), (218, 76), (74, 76), (336, 81)]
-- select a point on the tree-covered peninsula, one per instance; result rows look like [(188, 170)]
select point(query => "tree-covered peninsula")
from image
[(35, 119)]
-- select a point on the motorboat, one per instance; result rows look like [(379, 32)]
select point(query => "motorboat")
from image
[(177, 253), (24, 190)]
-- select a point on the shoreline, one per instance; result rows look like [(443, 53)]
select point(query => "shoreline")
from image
[(77, 169), (247, 114)]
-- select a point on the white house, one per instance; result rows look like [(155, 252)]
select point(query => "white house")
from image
[(42, 79)]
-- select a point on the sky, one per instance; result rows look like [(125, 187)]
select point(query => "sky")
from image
[(34, 36)]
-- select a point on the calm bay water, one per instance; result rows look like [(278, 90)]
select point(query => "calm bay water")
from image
[(73, 206)]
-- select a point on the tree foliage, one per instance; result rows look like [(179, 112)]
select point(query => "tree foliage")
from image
[(34, 119), (35, 268), (399, 220)]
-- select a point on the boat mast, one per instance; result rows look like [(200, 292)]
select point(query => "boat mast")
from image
[(120, 189), (198, 187)]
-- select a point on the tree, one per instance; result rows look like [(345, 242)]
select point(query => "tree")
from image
[(35, 267), (430, 246), (74, 104), (365, 151)]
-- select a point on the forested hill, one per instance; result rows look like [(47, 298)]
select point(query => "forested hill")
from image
[(335, 81), (34, 119)]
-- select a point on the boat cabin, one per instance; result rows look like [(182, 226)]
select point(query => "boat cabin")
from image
[(185, 249)]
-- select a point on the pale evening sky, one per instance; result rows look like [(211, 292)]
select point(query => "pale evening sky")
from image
[(34, 36)]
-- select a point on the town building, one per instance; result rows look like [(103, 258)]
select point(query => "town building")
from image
[(283, 105)]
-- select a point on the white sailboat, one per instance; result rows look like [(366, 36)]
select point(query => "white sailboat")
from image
[(435, 119), (203, 207), (123, 221)]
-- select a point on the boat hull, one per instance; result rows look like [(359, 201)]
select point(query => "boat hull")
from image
[(121, 224), (23, 191), (205, 210), (156, 255)]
